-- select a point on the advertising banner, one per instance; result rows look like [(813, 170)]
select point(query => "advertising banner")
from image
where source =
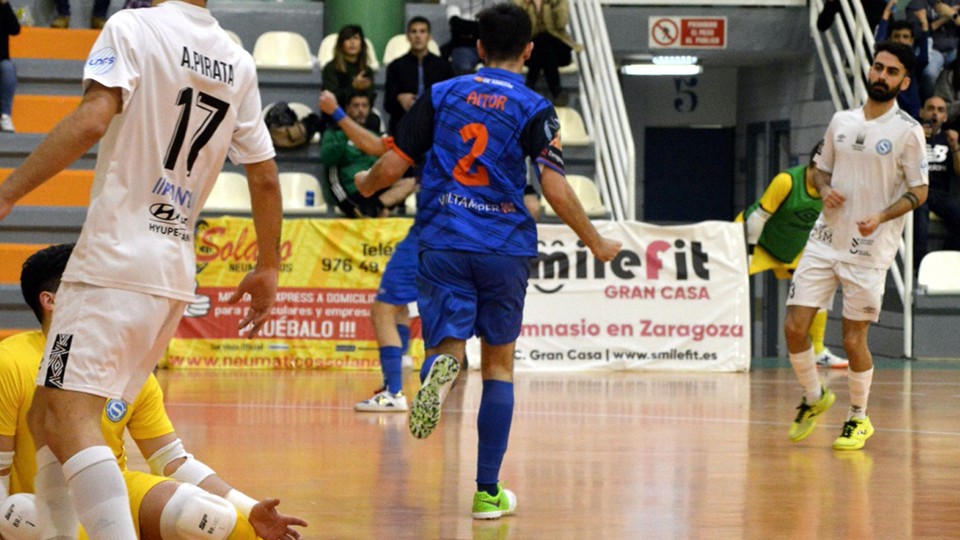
[(330, 271), (675, 298)]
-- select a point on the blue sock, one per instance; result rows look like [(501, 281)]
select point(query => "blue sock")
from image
[(391, 364), (427, 364), (404, 332), (493, 428)]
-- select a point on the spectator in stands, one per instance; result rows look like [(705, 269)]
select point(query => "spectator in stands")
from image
[(9, 26), (178, 479), (551, 44), (943, 154), (97, 19), (901, 31), (348, 72), (948, 88), (464, 32), (944, 29), (337, 152), (409, 75)]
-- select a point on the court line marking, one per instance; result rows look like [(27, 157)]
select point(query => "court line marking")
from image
[(551, 413), (875, 383)]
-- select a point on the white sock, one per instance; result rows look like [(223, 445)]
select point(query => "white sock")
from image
[(55, 512), (859, 392), (99, 494), (805, 366)]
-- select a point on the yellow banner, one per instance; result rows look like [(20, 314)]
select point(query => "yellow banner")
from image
[(330, 271)]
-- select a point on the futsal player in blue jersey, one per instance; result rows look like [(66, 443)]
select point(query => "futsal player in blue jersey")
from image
[(474, 134), (389, 314)]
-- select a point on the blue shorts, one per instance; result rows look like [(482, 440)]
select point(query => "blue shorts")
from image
[(464, 293), (398, 285)]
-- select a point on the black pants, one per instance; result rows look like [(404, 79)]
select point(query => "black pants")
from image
[(549, 53), (100, 8), (945, 206)]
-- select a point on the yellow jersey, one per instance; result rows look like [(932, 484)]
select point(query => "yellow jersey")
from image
[(20, 357)]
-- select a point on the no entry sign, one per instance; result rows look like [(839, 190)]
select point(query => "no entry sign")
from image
[(688, 32)]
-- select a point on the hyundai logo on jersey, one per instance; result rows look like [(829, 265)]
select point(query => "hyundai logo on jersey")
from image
[(164, 212), (102, 61), (116, 409)]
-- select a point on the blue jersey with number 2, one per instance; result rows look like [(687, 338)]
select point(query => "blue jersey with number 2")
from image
[(476, 132)]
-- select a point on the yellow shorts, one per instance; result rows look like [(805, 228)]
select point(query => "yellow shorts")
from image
[(138, 485), (762, 260)]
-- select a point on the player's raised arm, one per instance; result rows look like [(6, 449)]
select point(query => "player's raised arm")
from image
[(414, 139), (365, 140), (261, 282)]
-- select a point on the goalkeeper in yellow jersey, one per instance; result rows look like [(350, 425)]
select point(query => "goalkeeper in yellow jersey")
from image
[(183, 498), (778, 226)]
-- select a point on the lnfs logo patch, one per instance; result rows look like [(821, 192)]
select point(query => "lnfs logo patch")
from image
[(884, 147), (102, 61), (115, 410), (59, 355)]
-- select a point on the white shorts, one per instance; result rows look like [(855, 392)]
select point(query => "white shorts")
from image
[(815, 282), (106, 341)]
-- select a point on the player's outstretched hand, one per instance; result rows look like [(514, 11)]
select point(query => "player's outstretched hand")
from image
[(607, 249), (261, 285), (869, 224), (272, 525)]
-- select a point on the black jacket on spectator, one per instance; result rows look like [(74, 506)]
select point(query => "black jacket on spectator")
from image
[(402, 78), (9, 26)]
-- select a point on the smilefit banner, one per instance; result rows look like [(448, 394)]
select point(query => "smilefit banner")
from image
[(330, 271), (675, 298)]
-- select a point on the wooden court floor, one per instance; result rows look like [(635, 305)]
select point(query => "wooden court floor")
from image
[(594, 455)]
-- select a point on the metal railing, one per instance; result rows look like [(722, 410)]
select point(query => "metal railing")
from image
[(845, 67), (604, 111)]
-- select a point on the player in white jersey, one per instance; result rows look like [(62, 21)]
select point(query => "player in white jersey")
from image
[(871, 171), (168, 95)]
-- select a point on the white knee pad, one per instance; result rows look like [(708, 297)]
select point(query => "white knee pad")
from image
[(194, 514), (18, 517)]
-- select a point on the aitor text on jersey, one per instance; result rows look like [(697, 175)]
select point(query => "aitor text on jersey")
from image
[(206, 66), (490, 101)]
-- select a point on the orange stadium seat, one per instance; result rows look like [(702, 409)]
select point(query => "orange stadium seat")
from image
[(67, 188), (52, 43), (38, 114), (11, 260)]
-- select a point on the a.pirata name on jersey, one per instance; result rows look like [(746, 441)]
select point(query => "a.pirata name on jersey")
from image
[(487, 101), (206, 66)]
